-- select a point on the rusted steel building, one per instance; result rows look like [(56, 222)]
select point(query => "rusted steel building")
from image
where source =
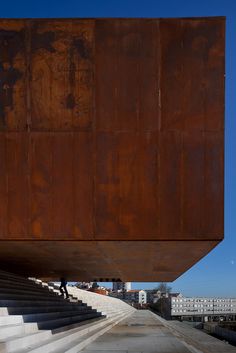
[(111, 146)]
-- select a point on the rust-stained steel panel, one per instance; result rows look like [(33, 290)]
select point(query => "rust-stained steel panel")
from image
[(83, 176), (193, 185), (3, 187), (170, 178), (127, 186), (214, 176), (61, 185), (62, 70), (103, 260), (192, 74), (112, 131), (127, 75), (13, 75), (154, 185), (18, 212), (41, 184)]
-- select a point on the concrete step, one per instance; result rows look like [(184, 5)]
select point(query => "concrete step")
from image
[(56, 315), (76, 339), (16, 280), (54, 290), (37, 312), (5, 274), (18, 329), (26, 283), (25, 296), (41, 302), (24, 310), (18, 285), (23, 341), (78, 344), (112, 312), (81, 342), (23, 290), (60, 322), (59, 340), (11, 320), (45, 284), (79, 324)]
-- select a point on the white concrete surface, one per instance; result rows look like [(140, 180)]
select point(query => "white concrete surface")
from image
[(109, 306), (44, 309), (143, 332)]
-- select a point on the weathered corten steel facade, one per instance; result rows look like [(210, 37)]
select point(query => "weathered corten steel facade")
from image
[(111, 146)]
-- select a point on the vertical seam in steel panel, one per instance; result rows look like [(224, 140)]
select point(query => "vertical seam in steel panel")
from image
[(182, 136), (158, 183), (203, 133), (223, 135), (159, 71), (51, 139), (72, 74), (28, 105), (182, 44), (94, 135), (203, 215), (138, 82), (72, 83), (138, 132), (74, 189), (27, 135), (7, 184), (159, 63), (116, 133), (73, 135), (116, 75), (28, 74)]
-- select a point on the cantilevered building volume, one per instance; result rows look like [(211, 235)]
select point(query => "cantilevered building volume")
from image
[(111, 146)]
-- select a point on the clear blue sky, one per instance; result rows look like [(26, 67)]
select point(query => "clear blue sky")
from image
[(215, 275)]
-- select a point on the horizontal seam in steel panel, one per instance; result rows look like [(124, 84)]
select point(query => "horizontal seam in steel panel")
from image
[(109, 240)]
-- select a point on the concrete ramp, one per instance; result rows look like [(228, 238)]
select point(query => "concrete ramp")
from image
[(145, 332)]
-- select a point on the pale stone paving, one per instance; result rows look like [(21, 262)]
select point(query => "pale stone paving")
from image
[(139, 333)]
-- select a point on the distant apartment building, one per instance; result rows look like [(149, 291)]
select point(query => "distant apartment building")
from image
[(136, 296), (176, 306), (181, 306)]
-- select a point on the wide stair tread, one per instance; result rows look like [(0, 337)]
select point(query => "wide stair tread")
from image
[(24, 296), (23, 290), (25, 310), (5, 283), (58, 340), (21, 340), (56, 314), (8, 331), (63, 321), (80, 342), (39, 302)]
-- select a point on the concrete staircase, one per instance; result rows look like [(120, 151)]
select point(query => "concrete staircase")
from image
[(34, 318), (109, 306)]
